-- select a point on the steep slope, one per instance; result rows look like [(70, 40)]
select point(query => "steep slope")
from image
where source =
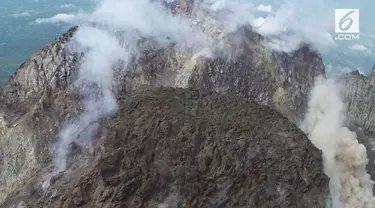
[(192, 149), (49, 69), (360, 96), (247, 69), (30, 112)]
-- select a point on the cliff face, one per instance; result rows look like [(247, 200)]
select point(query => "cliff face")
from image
[(282, 81), (359, 96), (30, 112), (49, 69), (279, 80)]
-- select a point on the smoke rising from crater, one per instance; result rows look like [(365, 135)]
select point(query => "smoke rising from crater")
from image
[(344, 158), (109, 37)]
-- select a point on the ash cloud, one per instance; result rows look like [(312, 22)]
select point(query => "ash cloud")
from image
[(344, 158)]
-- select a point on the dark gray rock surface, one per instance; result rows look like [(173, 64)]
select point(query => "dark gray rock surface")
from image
[(204, 149), (359, 94)]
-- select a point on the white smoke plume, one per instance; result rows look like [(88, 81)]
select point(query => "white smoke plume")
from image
[(344, 158), (110, 37), (170, 202), (291, 24), (296, 22), (229, 14)]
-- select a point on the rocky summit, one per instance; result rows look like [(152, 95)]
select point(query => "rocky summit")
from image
[(190, 130)]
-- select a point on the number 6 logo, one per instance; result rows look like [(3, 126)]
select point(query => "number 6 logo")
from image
[(346, 20)]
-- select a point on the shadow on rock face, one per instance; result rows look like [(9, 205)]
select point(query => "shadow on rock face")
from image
[(74, 151)]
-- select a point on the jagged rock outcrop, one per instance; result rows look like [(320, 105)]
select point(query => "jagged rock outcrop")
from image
[(48, 70), (204, 149)]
